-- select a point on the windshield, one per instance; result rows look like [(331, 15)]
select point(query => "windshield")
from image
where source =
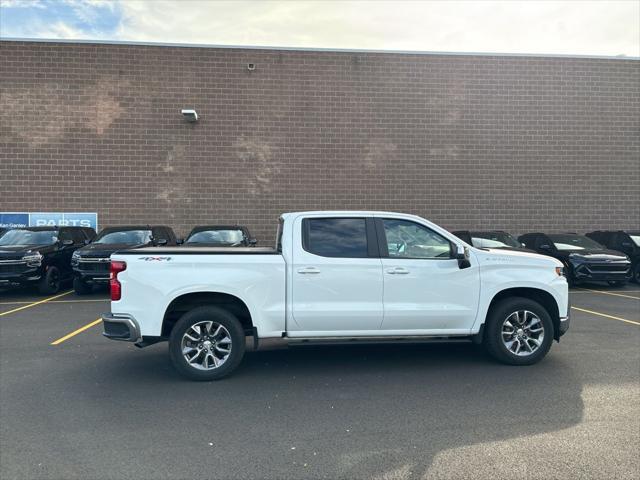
[(574, 242), (494, 240), (635, 236), (129, 237), (217, 237), (29, 237)]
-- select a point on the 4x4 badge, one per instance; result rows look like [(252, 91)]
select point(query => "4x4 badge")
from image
[(155, 259)]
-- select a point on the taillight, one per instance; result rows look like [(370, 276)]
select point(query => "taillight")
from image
[(116, 288)]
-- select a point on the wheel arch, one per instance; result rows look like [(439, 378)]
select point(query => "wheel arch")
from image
[(542, 297), (188, 301)]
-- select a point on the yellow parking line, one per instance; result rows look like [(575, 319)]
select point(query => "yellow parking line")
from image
[(76, 332), (35, 303), (606, 316), (59, 301), (610, 293)]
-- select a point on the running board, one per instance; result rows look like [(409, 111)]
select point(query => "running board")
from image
[(285, 342)]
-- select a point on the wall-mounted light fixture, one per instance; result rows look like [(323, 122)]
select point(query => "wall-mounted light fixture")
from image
[(190, 115)]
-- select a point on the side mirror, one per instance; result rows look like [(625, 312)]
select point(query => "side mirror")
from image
[(544, 246), (161, 241), (66, 243), (462, 255), (87, 241), (179, 241), (252, 241)]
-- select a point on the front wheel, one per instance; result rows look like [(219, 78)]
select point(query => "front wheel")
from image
[(50, 282), (518, 331), (207, 343)]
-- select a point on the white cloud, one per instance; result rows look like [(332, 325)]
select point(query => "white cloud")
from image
[(590, 27), (573, 27)]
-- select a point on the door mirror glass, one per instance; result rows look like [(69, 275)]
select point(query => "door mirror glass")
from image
[(253, 241)]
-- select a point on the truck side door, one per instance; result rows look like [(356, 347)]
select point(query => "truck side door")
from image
[(424, 287), (336, 276)]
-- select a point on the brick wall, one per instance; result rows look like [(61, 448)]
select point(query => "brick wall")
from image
[(516, 143)]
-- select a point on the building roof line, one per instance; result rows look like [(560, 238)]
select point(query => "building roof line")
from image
[(310, 49)]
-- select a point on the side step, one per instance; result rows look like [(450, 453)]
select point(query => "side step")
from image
[(285, 342)]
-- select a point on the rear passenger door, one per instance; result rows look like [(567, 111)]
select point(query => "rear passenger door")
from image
[(336, 276)]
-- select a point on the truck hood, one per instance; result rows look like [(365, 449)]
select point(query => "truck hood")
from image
[(600, 255), (497, 256), (99, 250)]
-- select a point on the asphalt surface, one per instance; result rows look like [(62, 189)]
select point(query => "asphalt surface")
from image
[(91, 408)]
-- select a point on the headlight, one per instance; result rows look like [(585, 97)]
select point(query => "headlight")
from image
[(560, 271), (33, 259)]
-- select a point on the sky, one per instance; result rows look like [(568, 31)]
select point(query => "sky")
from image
[(573, 27)]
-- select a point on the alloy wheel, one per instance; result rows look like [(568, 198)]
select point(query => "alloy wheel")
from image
[(206, 345), (522, 333)]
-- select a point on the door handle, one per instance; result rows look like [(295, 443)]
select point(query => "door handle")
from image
[(308, 270), (397, 271)]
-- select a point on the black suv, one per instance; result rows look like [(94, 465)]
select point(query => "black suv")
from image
[(40, 256), (220, 236), (491, 239), (91, 263), (626, 242), (584, 259)]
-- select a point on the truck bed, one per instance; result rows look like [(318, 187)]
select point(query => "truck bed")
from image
[(201, 251)]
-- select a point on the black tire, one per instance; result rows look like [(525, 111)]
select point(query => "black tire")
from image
[(636, 273), (493, 342), (203, 314), (50, 282), (81, 287)]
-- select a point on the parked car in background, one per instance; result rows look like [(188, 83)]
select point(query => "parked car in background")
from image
[(491, 239), (625, 242), (584, 259), (91, 263), (336, 276), (220, 236), (39, 256)]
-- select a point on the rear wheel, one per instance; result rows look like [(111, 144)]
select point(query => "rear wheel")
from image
[(50, 282), (81, 287), (207, 343), (518, 331)]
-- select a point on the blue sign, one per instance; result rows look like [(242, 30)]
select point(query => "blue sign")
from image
[(13, 220), (51, 219)]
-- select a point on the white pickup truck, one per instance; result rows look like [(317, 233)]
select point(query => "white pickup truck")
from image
[(344, 275)]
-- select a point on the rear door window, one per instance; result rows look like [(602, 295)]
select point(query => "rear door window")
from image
[(335, 237)]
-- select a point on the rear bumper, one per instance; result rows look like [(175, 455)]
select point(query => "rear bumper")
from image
[(121, 326)]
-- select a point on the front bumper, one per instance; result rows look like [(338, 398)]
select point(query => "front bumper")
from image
[(121, 326), (92, 271), (24, 276), (603, 273)]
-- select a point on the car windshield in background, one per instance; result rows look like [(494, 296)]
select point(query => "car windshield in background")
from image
[(574, 242), (128, 237), (217, 237), (635, 236), (29, 237), (495, 240)]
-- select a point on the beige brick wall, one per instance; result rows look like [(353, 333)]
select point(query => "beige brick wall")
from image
[(516, 143)]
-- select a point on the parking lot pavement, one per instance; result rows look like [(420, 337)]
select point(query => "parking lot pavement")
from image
[(91, 408)]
